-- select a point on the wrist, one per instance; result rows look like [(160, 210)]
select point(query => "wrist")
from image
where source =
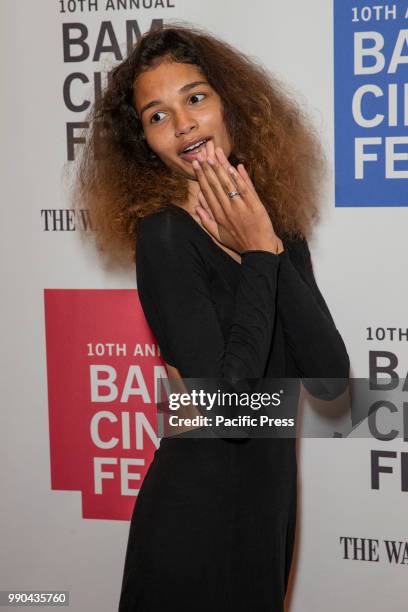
[(273, 246)]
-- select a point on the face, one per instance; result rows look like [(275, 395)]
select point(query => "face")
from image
[(179, 109)]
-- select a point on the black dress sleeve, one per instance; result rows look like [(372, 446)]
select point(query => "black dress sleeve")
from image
[(174, 290), (310, 332)]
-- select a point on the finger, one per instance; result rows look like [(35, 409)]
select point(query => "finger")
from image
[(207, 191), (242, 171), (223, 160), (225, 175), (241, 185), (208, 223), (203, 151), (218, 186), (204, 204), (209, 146)]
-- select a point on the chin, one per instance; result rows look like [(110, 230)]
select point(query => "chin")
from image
[(186, 170), (184, 173)]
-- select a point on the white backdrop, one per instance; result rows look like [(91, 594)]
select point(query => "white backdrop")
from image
[(357, 252)]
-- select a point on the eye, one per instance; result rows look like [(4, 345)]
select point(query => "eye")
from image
[(156, 115), (197, 95)]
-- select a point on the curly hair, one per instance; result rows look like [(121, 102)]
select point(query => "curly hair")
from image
[(119, 179)]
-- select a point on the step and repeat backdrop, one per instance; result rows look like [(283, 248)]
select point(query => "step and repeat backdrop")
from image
[(79, 362)]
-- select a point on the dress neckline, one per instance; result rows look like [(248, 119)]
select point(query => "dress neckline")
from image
[(207, 235)]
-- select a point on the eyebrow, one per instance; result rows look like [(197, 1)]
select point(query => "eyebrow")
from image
[(183, 89)]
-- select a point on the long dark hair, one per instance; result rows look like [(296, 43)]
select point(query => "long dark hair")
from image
[(120, 180)]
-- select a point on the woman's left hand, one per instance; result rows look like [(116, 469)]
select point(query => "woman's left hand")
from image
[(216, 178)]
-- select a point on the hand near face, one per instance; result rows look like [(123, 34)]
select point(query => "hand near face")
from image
[(241, 222)]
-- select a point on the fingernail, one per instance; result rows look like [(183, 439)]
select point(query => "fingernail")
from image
[(210, 161), (196, 164), (200, 157), (231, 169)]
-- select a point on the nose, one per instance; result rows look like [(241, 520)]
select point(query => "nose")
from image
[(184, 122)]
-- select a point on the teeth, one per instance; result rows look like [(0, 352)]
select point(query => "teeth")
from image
[(194, 146)]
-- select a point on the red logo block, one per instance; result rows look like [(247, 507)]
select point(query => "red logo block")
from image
[(103, 368)]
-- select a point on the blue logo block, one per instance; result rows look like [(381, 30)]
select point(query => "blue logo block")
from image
[(371, 103)]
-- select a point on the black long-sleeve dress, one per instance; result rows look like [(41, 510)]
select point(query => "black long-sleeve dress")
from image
[(214, 522)]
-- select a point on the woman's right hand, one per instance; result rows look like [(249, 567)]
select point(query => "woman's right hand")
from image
[(241, 223)]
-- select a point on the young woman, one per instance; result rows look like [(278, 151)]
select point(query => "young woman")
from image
[(199, 162)]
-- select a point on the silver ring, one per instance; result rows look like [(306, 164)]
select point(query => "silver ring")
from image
[(232, 194)]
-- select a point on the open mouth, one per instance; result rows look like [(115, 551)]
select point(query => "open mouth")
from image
[(192, 151)]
